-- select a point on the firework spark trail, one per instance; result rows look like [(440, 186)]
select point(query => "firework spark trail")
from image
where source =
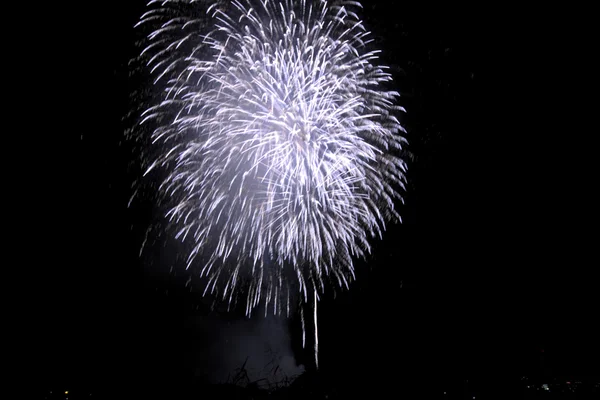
[(278, 144)]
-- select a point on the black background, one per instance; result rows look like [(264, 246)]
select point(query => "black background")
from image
[(490, 272)]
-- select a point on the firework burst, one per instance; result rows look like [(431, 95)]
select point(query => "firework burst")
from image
[(276, 141)]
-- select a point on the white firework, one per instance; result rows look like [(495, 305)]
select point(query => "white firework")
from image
[(277, 140)]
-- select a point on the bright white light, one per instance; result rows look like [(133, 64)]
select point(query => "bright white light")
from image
[(277, 140)]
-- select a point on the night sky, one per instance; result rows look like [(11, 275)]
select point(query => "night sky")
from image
[(489, 274)]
